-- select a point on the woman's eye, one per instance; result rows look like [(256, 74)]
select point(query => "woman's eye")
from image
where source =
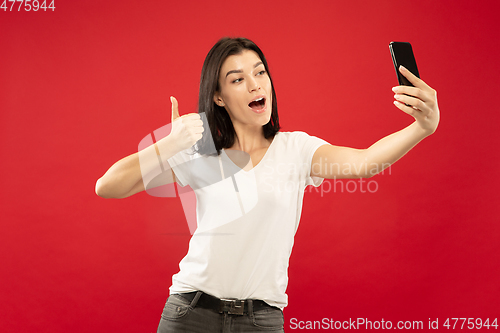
[(237, 80), (261, 72)]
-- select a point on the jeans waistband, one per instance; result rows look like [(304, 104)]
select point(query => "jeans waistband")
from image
[(221, 305)]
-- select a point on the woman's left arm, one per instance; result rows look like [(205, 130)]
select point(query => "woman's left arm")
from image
[(419, 101)]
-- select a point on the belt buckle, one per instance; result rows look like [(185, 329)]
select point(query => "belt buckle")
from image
[(232, 306)]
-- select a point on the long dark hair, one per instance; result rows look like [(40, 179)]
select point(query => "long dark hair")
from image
[(221, 126)]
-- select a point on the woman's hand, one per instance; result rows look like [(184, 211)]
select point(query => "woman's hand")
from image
[(421, 101), (186, 129)]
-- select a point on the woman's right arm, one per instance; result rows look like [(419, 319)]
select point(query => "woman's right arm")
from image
[(124, 178)]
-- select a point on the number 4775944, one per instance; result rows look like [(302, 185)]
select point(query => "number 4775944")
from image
[(470, 323), (27, 5)]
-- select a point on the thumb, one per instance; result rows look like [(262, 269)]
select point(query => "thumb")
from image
[(175, 108)]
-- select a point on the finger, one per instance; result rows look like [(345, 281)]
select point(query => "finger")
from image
[(190, 117), (417, 82), (175, 108), (412, 102), (412, 91), (199, 129), (198, 123), (193, 122), (409, 109)]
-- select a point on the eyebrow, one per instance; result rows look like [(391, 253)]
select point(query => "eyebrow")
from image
[(241, 71)]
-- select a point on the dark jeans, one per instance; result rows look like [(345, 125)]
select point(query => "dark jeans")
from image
[(182, 315)]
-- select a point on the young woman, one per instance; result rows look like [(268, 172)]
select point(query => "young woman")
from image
[(249, 180)]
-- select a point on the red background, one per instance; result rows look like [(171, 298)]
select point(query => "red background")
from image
[(81, 86)]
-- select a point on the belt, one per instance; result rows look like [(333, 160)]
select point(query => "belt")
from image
[(231, 306)]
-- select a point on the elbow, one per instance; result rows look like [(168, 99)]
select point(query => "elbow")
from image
[(106, 190), (100, 189)]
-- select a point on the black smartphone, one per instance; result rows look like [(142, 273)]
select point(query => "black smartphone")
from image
[(402, 54)]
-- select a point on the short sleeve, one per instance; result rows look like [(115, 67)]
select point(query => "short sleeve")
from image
[(308, 145), (180, 164)]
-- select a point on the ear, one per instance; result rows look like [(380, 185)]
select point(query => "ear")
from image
[(218, 100)]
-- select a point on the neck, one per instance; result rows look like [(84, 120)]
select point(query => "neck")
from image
[(249, 139)]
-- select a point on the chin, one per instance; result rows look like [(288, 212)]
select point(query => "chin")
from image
[(267, 119)]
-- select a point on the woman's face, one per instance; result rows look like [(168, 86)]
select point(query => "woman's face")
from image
[(245, 90)]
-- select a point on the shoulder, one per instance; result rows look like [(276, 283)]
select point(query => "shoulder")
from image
[(292, 133), (292, 136), (296, 145), (296, 138)]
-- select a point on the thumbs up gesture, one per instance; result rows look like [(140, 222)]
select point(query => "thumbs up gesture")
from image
[(186, 129)]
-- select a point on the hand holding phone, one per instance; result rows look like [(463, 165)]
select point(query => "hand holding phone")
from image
[(413, 96)]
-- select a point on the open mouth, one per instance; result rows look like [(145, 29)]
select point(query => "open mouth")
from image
[(258, 104)]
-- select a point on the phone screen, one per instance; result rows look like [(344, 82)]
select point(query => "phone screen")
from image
[(402, 54)]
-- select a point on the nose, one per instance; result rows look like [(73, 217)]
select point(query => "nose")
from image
[(252, 84)]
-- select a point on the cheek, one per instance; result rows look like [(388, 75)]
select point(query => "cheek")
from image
[(235, 97), (233, 102), (268, 86)]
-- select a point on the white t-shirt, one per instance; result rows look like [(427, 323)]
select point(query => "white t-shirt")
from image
[(246, 219)]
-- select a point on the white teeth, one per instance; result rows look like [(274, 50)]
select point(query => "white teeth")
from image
[(258, 99)]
